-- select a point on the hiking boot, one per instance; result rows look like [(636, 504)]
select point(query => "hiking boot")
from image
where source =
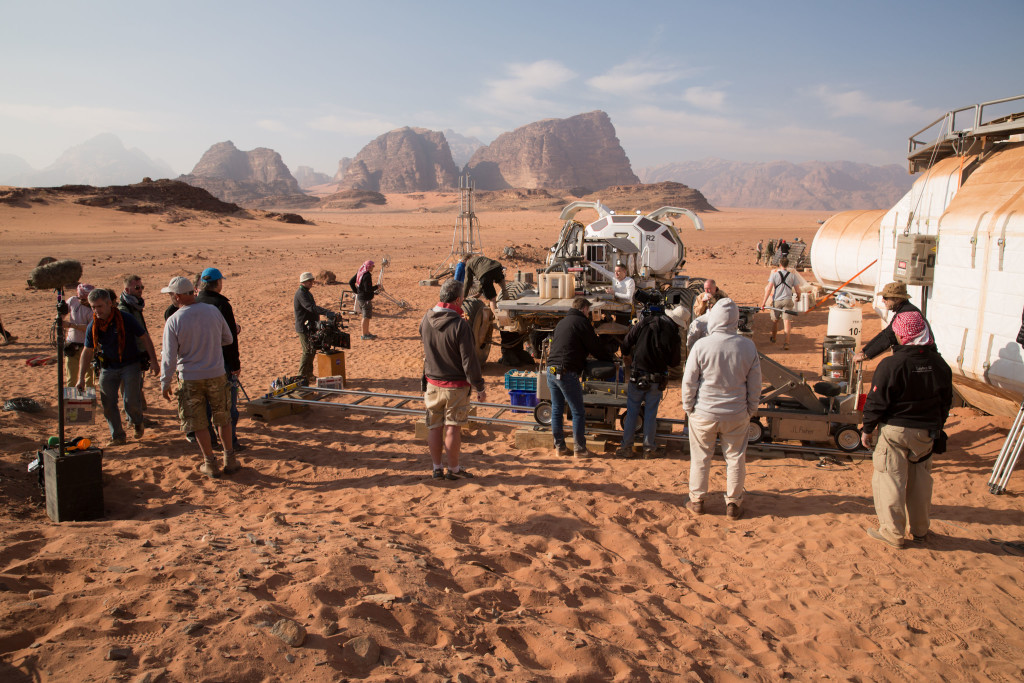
[(885, 538), (462, 473), (563, 451), (583, 453), (624, 452), (695, 507), (116, 441), (733, 511), (210, 469), (231, 464), (139, 430), (237, 446), (438, 473), (650, 453), (922, 538)]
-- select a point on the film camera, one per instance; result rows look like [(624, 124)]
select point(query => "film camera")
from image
[(326, 336), (650, 301)]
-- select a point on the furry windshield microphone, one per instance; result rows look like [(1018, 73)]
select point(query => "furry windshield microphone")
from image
[(56, 275)]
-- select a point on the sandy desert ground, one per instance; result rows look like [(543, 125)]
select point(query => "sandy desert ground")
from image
[(539, 569)]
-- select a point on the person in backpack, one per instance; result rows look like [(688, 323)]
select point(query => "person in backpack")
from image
[(653, 343), (781, 291), (362, 284)]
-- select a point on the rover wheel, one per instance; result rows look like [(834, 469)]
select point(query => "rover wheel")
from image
[(847, 438), (755, 431)]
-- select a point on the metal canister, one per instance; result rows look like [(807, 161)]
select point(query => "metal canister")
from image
[(837, 364)]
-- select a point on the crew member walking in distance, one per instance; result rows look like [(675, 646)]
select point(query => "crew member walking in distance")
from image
[(362, 285)]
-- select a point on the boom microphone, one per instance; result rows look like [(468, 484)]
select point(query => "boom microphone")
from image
[(56, 275)]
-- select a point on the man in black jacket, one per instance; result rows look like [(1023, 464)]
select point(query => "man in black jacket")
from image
[(895, 299), (572, 341), (491, 276), (211, 283), (307, 313), (911, 394), (654, 345)]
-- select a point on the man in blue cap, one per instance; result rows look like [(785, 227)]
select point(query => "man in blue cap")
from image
[(211, 282)]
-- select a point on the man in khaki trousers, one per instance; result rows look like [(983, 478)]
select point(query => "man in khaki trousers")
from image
[(721, 391), (911, 393)]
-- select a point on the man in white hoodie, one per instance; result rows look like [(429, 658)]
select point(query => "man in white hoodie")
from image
[(721, 391)]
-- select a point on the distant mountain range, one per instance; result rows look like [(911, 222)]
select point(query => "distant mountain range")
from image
[(820, 185), (578, 155), (102, 160)]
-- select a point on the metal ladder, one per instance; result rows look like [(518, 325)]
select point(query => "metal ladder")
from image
[(1008, 455)]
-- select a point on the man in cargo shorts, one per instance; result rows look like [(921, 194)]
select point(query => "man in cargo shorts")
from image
[(451, 370), (192, 343)]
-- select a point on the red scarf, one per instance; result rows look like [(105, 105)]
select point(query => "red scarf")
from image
[(102, 325), (451, 307)]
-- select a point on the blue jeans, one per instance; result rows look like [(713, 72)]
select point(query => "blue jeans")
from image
[(567, 390), (651, 399), (129, 380)]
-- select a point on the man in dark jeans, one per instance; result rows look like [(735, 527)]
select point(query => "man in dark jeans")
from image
[(654, 345), (307, 313), (211, 282), (572, 341)]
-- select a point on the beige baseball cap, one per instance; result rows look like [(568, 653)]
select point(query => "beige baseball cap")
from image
[(178, 285)]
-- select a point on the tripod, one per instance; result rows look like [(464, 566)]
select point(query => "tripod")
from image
[(1008, 455), (62, 309)]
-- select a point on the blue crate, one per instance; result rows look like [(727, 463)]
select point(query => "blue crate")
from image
[(519, 380), (525, 399)]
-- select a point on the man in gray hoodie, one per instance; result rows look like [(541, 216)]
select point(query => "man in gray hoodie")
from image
[(451, 369), (721, 391)]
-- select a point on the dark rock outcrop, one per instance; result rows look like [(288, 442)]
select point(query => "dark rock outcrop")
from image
[(623, 198), (403, 160), (580, 151), (160, 196), (819, 185), (257, 178)]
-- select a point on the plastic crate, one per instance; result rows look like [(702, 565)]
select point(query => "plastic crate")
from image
[(521, 380), (525, 399)]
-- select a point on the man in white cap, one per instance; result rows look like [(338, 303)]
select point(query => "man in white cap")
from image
[(307, 313), (192, 343)]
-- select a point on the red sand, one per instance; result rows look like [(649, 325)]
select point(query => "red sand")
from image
[(541, 568)]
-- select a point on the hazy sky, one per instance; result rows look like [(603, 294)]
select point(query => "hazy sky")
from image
[(681, 80)]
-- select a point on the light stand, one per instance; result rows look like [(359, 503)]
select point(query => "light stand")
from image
[(62, 310)]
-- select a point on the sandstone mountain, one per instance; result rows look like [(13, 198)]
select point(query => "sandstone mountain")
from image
[(257, 178), (578, 152), (646, 198), (403, 160), (462, 147), (102, 160), (11, 167), (305, 176), (343, 165), (820, 185)]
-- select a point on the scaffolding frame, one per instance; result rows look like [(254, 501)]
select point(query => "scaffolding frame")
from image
[(466, 235)]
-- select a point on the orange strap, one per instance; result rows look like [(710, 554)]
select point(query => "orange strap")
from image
[(838, 289)]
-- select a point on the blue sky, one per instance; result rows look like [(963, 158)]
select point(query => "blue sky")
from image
[(315, 81)]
